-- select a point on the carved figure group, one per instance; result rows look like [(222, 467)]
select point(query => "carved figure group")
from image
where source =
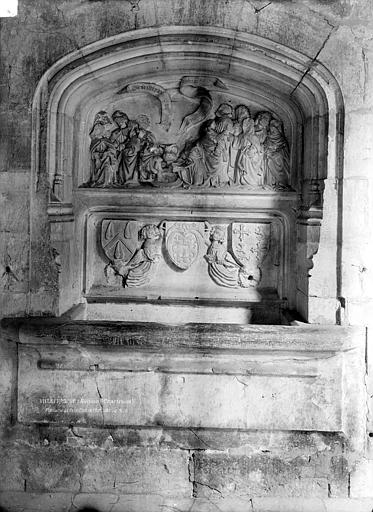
[(134, 251), (233, 149)]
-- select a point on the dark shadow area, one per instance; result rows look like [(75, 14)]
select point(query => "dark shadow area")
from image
[(85, 509)]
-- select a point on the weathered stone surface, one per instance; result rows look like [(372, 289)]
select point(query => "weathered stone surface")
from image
[(52, 468), (62, 502), (14, 304), (361, 478), (267, 475), (136, 470), (246, 389), (14, 202)]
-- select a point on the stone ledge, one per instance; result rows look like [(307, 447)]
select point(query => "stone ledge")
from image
[(63, 502)]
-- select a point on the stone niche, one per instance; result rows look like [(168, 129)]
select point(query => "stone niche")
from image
[(185, 180), (183, 183)]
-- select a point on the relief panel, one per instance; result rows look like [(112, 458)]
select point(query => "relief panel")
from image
[(187, 259), (196, 142)]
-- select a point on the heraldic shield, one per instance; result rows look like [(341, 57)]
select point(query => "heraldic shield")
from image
[(119, 239), (250, 243), (183, 242)]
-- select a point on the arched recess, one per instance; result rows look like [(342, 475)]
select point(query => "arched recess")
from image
[(67, 217)]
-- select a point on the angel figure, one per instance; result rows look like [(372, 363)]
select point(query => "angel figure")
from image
[(141, 268)]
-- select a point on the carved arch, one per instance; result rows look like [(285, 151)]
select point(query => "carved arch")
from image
[(309, 103)]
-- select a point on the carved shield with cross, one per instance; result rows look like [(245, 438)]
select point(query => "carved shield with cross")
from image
[(183, 243)]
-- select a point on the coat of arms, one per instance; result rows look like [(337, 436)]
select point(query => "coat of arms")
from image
[(134, 251), (250, 243), (119, 239), (183, 244)]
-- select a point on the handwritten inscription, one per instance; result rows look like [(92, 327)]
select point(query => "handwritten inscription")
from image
[(122, 340), (80, 406)]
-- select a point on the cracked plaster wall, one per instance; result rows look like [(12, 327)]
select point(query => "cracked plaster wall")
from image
[(339, 34)]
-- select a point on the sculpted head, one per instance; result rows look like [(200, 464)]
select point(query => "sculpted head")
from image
[(276, 127), (120, 118), (224, 110), (150, 231), (263, 119), (218, 234), (170, 153), (241, 112), (133, 126), (102, 117)]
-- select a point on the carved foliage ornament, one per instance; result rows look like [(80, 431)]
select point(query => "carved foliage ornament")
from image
[(134, 250), (230, 149)]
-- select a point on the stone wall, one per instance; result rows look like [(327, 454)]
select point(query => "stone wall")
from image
[(48, 473)]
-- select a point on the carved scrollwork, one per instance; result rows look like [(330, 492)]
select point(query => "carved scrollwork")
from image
[(232, 149)]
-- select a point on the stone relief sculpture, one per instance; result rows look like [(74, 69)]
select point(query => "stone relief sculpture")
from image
[(183, 242), (232, 149), (197, 87), (235, 252), (134, 253), (158, 92), (223, 269), (237, 270), (250, 245)]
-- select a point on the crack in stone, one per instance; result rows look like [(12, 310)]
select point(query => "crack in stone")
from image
[(208, 486), (241, 381), (256, 9), (100, 400), (74, 433), (199, 438), (115, 503), (329, 23), (191, 467), (314, 60)]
